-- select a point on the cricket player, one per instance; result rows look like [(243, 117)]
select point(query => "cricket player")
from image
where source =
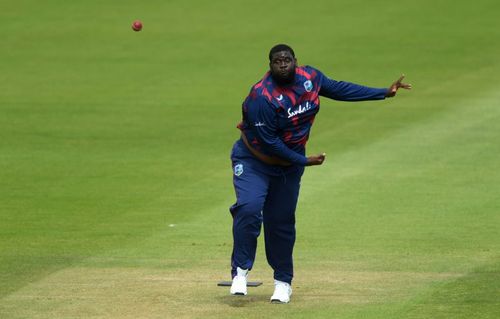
[(269, 159)]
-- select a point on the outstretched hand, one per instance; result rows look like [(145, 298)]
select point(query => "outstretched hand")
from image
[(396, 85), (316, 159)]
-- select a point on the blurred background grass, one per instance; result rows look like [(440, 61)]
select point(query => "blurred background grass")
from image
[(108, 136)]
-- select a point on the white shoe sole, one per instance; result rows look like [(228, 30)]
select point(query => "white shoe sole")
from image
[(279, 301), (238, 293)]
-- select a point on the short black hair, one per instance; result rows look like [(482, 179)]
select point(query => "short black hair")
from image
[(279, 48)]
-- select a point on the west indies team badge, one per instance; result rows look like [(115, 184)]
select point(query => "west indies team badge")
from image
[(238, 169), (308, 85)]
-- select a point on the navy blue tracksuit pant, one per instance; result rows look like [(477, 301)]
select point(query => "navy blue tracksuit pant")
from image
[(264, 193)]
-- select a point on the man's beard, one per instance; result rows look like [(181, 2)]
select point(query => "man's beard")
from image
[(284, 80)]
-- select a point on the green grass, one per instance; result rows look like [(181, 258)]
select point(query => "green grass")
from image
[(115, 180)]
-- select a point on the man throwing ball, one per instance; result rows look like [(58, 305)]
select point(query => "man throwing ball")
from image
[(269, 159)]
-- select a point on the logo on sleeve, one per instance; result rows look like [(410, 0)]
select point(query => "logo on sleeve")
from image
[(238, 169), (308, 85)]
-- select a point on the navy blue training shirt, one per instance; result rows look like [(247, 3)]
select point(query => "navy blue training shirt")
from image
[(277, 119)]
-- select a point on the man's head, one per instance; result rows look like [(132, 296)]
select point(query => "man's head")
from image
[(282, 64)]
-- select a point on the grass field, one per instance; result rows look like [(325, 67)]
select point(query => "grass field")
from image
[(115, 178)]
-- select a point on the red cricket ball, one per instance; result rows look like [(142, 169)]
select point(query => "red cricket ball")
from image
[(137, 25)]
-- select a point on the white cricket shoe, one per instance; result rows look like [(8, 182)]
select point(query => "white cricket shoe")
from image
[(282, 292), (239, 286)]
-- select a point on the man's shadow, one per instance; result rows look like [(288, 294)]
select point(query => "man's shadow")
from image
[(243, 301)]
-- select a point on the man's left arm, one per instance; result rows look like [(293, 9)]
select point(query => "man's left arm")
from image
[(346, 91)]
